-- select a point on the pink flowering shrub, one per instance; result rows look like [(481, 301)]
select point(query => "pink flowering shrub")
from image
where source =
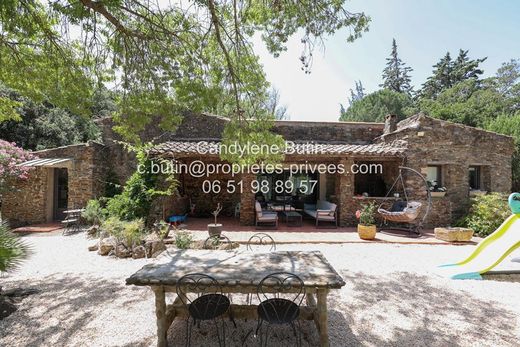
[(10, 156)]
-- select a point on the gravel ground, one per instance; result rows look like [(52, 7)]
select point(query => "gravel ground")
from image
[(392, 298)]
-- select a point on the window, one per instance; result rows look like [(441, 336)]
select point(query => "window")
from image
[(371, 183), (434, 176), (474, 178)]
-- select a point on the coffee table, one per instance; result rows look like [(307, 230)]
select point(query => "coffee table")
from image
[(293, 219)]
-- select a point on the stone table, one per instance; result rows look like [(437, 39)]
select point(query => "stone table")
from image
[(239, 272)]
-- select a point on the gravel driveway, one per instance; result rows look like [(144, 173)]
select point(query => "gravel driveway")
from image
[(392, 298)]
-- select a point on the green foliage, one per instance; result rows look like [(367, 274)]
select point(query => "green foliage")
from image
[(367, 214), (44, 126), (94, 212), (13, 250), (396, 75), (510, 125), (466, 102), (183, 240), (9, 109), (448, 72), (142, 187), (252, 133), (487, 213), (129, 232), (375, 106), (161, 58)]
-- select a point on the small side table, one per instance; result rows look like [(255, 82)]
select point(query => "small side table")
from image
[(293, 219)]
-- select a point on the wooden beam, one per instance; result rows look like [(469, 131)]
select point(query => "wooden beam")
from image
[(160, 313), (242, 311)]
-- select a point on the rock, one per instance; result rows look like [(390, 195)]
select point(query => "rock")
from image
[(93, 230), (453, 234), (138, 252), (121, 251), (6, 307), (106, 245), (153, 248), (104, 234), (93, 247)]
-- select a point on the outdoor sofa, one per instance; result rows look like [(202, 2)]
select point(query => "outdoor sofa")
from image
[(264, 217), (322, 211)]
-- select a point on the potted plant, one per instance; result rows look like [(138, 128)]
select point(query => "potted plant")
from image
[(435, 190), (215, 228), (367, 222)]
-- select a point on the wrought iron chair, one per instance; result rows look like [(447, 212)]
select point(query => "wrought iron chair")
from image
[(215, 241), (281, 295), (261, 240), (209, 305), (255, 243)]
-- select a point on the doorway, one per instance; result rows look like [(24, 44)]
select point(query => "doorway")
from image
[(61, 193)]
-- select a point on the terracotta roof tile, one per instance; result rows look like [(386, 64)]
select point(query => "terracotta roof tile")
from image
[(184, 148)]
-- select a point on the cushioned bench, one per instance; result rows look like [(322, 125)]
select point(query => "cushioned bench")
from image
[(322, 211)]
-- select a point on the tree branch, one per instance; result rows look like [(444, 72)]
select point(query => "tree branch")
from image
[(234, 79)]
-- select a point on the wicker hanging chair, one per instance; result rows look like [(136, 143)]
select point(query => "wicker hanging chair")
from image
[(409, 214), (412, 209)]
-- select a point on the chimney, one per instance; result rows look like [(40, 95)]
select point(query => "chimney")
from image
[(390, 123)]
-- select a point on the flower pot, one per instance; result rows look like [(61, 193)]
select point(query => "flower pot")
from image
[(367, 232), (214, 229), (437, 194)]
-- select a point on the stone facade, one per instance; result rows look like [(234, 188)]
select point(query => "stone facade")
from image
[(31, 200), (329, 132), (453, 148), (427, 142)]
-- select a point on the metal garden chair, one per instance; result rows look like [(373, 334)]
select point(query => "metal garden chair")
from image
[(216, 241), (281, 295), (260, 241), (209, 305)]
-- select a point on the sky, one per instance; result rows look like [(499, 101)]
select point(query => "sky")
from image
[(424, 31)]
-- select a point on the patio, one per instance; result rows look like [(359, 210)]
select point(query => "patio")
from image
[(307, 233), (392, 297)]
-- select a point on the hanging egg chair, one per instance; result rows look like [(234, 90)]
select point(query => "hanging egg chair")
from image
[(404, 212)]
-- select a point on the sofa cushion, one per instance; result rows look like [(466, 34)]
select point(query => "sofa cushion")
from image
[(309, 206), (258, 209), (267, 217)]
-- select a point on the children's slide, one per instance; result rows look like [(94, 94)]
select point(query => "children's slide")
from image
[(492, 250)]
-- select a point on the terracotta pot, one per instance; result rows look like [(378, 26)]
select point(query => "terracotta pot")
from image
[(367, 232), (214, 229)]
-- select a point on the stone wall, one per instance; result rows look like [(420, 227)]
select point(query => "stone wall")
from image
[(25, 202), (31, 199), (341, 132), (454, 147)]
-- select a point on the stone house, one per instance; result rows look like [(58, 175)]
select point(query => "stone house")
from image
[(62, 178), (462, 159)]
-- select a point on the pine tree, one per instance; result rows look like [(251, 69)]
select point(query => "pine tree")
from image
[(358, 94), (447, 72), (441, 78), (396, 75), (464, 68)]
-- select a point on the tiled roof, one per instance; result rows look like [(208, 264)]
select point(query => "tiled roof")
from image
[(46, 162), (211, 147)]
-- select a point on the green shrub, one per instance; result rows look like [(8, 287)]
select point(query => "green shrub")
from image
[(129, 232), (12, 249), (366, 214), (183, 240), (94, 212), (142, 187), (487, 212)]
